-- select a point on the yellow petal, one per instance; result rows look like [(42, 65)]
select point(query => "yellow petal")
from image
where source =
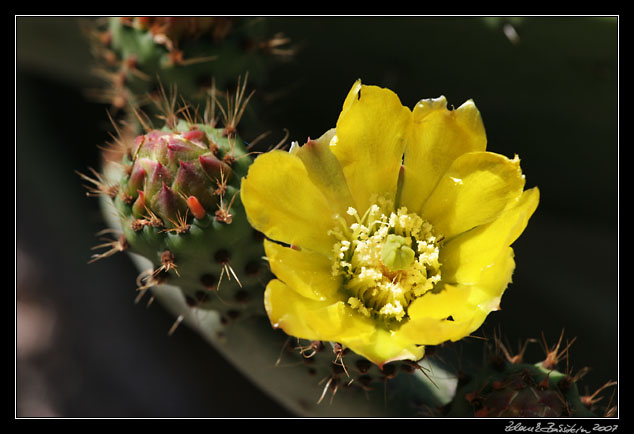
[(384, 347), (458, 310), (475, 190), (329, 320), (306, 272), (326, 173), (437, 137), (448, 315), (281, 201), (486, 294), (433, 331), (369, 143), (333, 320), (465, 257), (441, 304)]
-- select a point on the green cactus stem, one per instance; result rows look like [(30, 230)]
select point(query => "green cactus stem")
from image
[(136, 54), (176, 200), (509, 387)]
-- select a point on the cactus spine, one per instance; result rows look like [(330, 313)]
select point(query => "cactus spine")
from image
[(137, 56), (509, 387)]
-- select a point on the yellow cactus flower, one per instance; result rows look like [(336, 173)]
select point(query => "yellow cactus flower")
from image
[(391, 231)]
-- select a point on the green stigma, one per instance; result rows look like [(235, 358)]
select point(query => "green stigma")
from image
[(396, 253), (386, 258)]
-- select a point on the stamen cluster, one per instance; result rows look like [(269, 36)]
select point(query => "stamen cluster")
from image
[(388, 258)]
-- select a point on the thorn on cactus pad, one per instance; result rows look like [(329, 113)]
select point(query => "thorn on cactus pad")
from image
[(224, 212), (127, 199), (139, 224), (99, 186), (338, 369), (114, 246), (500, 346), (145, 121), (411, 367), (555, 355), (117, 97), (339, 352), (236, 105), (168, 262), (152, 219), (582, 373), (311, 349), (179, 319), (229, 159), (308, 361), (611, 409), (146, 280), (332, 384), (591, 400), (223, 257), (286, 348), (166, 104), (180, 225)]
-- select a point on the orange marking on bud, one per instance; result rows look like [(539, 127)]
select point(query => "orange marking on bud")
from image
[(196, 208)]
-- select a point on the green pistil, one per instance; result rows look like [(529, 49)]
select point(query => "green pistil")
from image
[(396, 254)]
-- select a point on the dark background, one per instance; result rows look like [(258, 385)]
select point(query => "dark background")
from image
[(83, 349)]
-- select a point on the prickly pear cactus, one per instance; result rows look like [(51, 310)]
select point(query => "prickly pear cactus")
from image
[(171, 204), (173, 195), (509, 387), (137, 54)]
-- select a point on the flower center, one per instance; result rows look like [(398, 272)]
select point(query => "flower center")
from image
[(396, 253), (387, 258)]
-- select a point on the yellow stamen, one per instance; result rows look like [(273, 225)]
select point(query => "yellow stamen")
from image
[(387, 257)]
